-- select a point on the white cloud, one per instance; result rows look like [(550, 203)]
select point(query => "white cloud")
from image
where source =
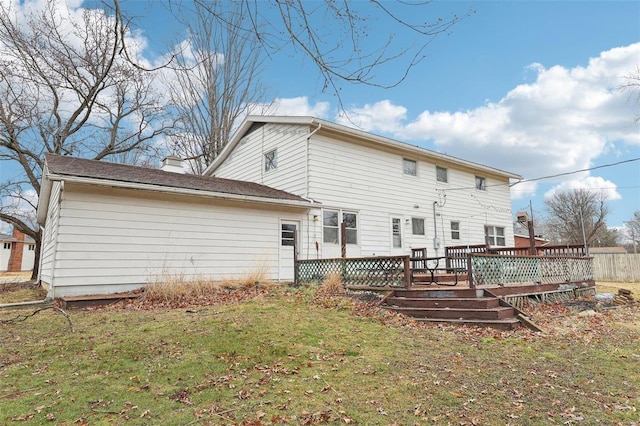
[(589, 182), (382, 117), (561, 122), (299, 106)]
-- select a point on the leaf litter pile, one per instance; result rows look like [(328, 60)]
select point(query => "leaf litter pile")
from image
[(266, 354)]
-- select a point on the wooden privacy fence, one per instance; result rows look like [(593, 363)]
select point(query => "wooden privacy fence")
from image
[(618, 267), (387, 271), (493, 269)]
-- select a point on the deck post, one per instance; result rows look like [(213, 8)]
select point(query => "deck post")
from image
[(470, 271), (295, 257), (407, 272)]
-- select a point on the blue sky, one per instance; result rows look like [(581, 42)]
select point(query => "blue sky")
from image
[(524, 86)]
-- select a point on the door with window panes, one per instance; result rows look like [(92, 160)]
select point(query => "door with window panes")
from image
[(288, 233)]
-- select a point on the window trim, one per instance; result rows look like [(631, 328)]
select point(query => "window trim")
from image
[(481, 183), (413, 229), (455, 233), (406, 161), (271, 164), (340, 216), (446, 174), (492, 238), (394, 233)]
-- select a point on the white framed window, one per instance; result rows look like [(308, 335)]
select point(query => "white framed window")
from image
[(396, 232), (481, 183), (409, 167), (350, 221), (417, 226), (271, 160), (331, 226), (494, 235), (455, 230), (442, 174), (7, 246)]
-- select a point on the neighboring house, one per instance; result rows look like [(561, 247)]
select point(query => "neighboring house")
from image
[(111, 228), (391, 196), (521, 236), (18, 252)]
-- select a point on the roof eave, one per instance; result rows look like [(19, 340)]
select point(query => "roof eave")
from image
[(348, 131), (183, 191)]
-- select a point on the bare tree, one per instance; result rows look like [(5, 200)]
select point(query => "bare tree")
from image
[(632, 227), (576, 215), (66, 88), (214, 79), (364, 40), (632, 86)]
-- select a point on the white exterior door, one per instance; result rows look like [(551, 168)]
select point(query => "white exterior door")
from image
[(288, 232)]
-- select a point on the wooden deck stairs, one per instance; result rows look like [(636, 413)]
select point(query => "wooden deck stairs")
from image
[(456, 306)]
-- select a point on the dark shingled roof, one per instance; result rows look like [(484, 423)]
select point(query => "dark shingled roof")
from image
[(71, 166)]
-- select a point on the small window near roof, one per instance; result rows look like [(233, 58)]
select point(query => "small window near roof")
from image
[(481, 184), (409, 167), (7, 246), (441, 174), (271, 160)]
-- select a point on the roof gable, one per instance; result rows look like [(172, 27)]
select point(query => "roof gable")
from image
[(348, 133)]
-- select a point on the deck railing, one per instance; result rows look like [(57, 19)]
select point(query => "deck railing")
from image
[(375, 272), (492, 269)]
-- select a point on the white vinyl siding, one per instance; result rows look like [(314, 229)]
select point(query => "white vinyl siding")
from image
[(365, 179), (247, 161), (116, 240), (48, 247), (354, 175)]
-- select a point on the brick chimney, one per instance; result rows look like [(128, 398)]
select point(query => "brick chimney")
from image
[(17, 248)]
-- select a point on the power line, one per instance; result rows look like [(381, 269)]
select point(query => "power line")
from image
[(576, 171), (547, 177)]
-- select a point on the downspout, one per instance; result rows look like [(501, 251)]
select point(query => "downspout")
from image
[(306, 184)]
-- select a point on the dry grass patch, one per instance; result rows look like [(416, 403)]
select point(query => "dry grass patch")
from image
[(331, 286), (613, 287), (180, 291)]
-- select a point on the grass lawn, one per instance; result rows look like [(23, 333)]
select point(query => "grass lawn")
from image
[(285, 356)]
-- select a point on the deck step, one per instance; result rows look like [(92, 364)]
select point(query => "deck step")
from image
[(453, 302), (456, 313), (503, 324)]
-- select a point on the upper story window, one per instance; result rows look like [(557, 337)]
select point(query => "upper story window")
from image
[(271, 160), (441, 174), (455, 230), (481, 183), (494, 235), (417, 226), (409, 167)]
